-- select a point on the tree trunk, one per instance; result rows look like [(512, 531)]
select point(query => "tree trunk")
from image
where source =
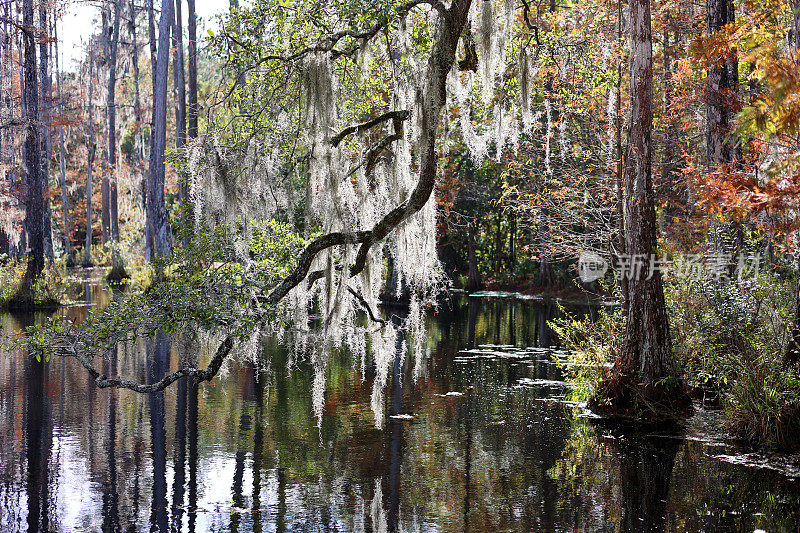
[(32, 169), (642, 370), (45, 101), (180, 101), (498, 245), (110, 214), (668, 167), (721, 88), (105, 187), (178, 79), (90, 144), (62, 162), (151, 33), (794, 30), (545, 270), (474, 283), (792, 354), (192, 71), (157, 231), (619, 177), (137, 103), (512, 241)]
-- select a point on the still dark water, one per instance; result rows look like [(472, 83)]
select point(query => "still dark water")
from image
[(486, 443)]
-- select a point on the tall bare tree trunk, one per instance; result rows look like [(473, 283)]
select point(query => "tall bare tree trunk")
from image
[(192, 59), (110, 208), (91, 147), (180, 96), (62, 159), (45, 107), (721, 87), (157, 231), (619, 177), (32, 169), (641, 384), (137, 103)]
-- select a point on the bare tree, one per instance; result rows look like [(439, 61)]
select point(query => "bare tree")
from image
[(91, 147), (110, 215), (157, 233), (178, 79), (62, 159), (721, 88), (192, 59), (641, 373), (32, 169), (137, 101), (46, 118)]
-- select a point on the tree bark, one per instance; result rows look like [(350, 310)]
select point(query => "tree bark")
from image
[(192, 70), (792, 354), (137, 104), (90, 144), (158, 234), (32, 169), (721, 89), (794, 31), (180, 97), (642, 370), (62, 162), (45, 107), (110, 209)]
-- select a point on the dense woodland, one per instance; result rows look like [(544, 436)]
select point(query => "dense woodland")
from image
[(304, 163)]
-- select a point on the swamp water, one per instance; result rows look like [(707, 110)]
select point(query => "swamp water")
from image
[(477, 437)]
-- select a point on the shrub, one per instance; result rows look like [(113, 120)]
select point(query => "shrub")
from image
[(592, 344), (730, 338), (48, 290)]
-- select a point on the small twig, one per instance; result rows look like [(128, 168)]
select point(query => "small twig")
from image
[(366, 306)]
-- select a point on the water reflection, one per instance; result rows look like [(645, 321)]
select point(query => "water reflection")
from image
[(477, 437)]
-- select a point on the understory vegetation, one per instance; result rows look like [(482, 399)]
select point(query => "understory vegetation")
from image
[(730, 340)]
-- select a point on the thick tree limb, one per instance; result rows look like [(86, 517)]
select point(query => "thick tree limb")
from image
[(358, 128)]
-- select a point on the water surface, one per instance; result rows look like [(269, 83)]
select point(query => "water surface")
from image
[(477, 437)]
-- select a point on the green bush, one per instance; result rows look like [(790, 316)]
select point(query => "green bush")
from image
[(592, 344), (730, 338), (48, 290)]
